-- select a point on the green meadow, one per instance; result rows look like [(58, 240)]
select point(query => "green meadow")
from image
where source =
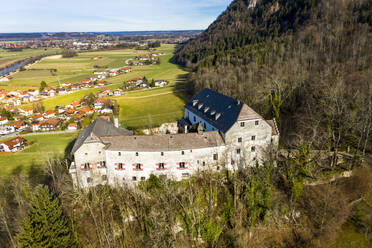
[(41, 148)]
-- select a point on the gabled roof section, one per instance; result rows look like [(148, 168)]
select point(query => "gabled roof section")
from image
[(247, 113), (163, 143), (219, 110), (99, 128)]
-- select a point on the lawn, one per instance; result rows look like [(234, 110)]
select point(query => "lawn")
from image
[(43, 146), (150, 108)]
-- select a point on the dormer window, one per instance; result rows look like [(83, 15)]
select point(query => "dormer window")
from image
[(218, 116), (206, 109), (200, 105), (194, 102), (256, 123), (213, 112), (242, 124)]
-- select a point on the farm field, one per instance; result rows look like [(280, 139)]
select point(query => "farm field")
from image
[(44, 146), (150, 108), (8, 57), (135, 112), (55, 69)]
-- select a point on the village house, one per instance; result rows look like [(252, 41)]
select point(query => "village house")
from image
[(26, 111), (72, 127), (37, 117), (3, 120), (160, 83), (230, 135), (19, 125), (13, 145), (35, 125), (99, 103), (6, 130), (49, 114), (49, 125), (118, 92)]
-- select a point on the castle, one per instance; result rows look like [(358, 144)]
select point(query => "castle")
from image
[(229, 134)]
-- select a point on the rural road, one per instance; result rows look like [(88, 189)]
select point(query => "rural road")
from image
[(159, 94), (37, 133)]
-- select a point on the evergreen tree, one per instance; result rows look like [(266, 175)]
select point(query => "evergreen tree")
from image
[(45, 225)]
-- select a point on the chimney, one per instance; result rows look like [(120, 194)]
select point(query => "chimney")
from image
[(116, 122)]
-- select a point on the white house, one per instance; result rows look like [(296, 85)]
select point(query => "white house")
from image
[(3, 120), (13, 145), (161, 83), (231, 135)]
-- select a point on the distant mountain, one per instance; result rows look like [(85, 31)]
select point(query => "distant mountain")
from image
[(305, 62)]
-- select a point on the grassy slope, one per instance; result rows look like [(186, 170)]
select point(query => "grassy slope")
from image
[(44, 146)]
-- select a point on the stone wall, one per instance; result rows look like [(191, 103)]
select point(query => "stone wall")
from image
[(165, 128)]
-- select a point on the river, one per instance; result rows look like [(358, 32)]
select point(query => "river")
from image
[(14, 67)]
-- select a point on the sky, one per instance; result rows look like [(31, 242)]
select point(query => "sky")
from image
[(107, 15)]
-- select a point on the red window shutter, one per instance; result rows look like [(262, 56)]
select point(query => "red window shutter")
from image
[(98, 163), (116, 163), (177, 163)]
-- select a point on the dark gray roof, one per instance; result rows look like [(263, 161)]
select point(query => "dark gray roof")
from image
[(166, 142), (99, 128), (219, 110)]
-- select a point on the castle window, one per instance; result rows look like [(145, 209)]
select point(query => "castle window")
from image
[(237, 151), (89, 180), (102, 164), (182, 165), (203, 163), (194, 119), (242, 124), (86, 166), (161, 166), (86, 153), (143, 178), (99, 152), (119, 154), (120, 166), (162, 153), (253, 148), (256, 123), (232, 162), (134, 178), (205, 126), (183, 152), (215, 156), (138, 167), (253, 137), (240, 140), (137, 154), (218, 168), (104, 177), (185, 174)]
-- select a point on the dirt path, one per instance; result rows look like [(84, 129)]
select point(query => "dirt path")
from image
[(159, 94)]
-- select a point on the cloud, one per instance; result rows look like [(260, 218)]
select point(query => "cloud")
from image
[(108, 15)]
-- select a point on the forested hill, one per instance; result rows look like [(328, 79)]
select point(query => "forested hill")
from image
[(305, 62)]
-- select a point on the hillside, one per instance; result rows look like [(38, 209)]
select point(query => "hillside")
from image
[(306, 63)]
